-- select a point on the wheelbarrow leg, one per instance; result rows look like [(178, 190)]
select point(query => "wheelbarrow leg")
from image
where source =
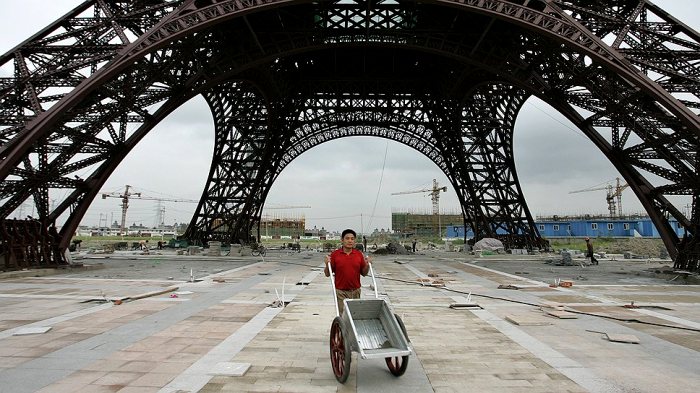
[(398, 364), (341, 356)]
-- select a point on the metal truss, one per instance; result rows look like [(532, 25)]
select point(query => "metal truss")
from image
[(240, 178), (490, 195), (84, 90), (240, 175)]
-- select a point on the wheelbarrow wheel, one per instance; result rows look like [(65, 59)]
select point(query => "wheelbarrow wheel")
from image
[(340, 352), (398, 364)]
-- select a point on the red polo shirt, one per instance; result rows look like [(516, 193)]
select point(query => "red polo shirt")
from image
[(347, 268)]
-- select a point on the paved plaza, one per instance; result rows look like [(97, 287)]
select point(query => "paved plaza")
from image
[(174, 323)]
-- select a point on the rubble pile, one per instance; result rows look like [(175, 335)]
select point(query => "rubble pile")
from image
[(648, 248)]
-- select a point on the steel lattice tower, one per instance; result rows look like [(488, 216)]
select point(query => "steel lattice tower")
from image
[(444, 77)]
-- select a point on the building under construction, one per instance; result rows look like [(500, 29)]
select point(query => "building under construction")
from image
[(277, 227), (423, 224)]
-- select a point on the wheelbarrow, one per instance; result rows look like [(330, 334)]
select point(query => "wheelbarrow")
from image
[(369, 328)]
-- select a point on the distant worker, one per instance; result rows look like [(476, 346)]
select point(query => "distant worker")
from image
[(347, 264), (56, 255), (589, 253), (364, 244), (413, 245)]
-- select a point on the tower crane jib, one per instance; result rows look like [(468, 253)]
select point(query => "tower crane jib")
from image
[(127, 195), (434, 195), (613, 196)]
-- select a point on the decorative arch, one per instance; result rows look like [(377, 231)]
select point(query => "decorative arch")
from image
[(85, 105)]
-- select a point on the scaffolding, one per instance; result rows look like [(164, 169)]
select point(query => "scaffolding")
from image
[(423, 224), (277, 227)]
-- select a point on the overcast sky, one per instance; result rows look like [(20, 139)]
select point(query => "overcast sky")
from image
[(347, 182)]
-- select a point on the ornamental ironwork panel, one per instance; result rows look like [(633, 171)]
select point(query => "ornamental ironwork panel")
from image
[(446, 77)]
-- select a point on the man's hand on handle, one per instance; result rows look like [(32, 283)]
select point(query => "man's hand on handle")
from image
[(365, 269), (326, 261)]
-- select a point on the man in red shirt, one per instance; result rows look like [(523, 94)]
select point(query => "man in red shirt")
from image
[(347, 263)]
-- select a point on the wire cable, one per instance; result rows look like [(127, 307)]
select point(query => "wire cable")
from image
[(381, 178)]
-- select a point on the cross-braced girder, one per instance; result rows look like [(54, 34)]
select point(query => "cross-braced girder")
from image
[(87, 88), (480, 141), (486, 129), (241, 171)]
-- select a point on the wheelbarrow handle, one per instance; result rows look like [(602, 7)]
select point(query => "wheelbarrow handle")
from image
[(374, 280), (335, 297)]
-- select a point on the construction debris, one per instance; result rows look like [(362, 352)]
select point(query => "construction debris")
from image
[(430, 283), (558, 282), (32, 330), (459, 306), (623, 338), (462, 302), (561, 314), (565, 260), (489, 244), (392, 248), (619, 338), (527, 320), (566, 284), (557, 310)]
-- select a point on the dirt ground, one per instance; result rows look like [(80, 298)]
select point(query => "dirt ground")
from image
[(648, 248), (641, 248)]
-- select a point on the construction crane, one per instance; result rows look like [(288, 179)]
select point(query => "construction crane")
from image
[(288, 207), (127, 195), (613, 196), (434, 195)]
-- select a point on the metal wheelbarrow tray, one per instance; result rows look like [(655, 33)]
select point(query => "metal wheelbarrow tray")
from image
[(374, 331)]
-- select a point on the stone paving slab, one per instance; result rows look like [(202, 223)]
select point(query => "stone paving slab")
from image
[(156, 343)]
